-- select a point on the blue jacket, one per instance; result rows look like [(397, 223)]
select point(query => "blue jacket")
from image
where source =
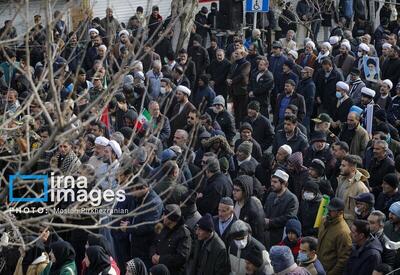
[(275, 67), (306, 88), (204, 97)]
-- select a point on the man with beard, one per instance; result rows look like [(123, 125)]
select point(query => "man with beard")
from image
[(344, 60), (97, 90), (237, 81), (123, 42), (155, 20), (290, 135), (263, 132), (111, 25), (139, 91), (354, 135), (112, 154), (349, 186), (355, 86), (179, 77), (204, 96), (376, 221), (306, 88), (199, 56), (288, 97), (384, 101), (225, 218), (319, 149), (218, 70), (391, 66), (160, 126), (343, 105), (82, 85), (390, 193), (181, 109), (334, 240), (379, 166), (100, 144), (280, 206), (149, 207), (172, 245), (246, 132), (322, 123), (188, 67), (276, 61), (261, 85), (65, 159), (325, 82)]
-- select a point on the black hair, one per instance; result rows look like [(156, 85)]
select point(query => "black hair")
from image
[(326, 61), (291, 118), (312, 242), (362, 226), (351, 159), (343, 145), (293, 108)]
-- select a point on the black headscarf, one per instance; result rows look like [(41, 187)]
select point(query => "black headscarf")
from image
[(100, 240), (159, 269), (99, 260), (136, 267), (64, 253), (32, 254)]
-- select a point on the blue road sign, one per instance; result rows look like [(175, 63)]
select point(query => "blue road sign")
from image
[(257, 5)]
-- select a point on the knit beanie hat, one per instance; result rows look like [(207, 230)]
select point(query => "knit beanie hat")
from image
[(281, 257), (254, 256), (245, 147), (245, 126), (296, 159), (206, 223), (395, 208), (391, 180), (293, 225)]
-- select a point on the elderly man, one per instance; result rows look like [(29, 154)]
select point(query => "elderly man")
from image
[(355, 86), (218, 70), (376, 222), (354, 135), (225, 218), (282, 155), (160, 126), (288, 97), (349, 186), (255, 39), (110, 24), (384, 100), (322, 123), (288, 42), (220, 114), (153, 78), (280, 206)]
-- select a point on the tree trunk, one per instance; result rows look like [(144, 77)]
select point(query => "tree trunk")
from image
[(186, 9)]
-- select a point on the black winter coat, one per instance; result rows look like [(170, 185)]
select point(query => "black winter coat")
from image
[(173, 246), (342, 111), (363, 260), (217, 187), (391, 70), (279, 210), (326, 89), (225, 121), (225, 235), (200, 58), (219, 72), (263, 132), (262, 87), (307, 212), (383, 202), (297, 100), (210, 258), (256, 152), (298, 143), (306, 88)]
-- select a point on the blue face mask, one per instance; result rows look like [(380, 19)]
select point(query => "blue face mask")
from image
[(338, 95), (302, 257)]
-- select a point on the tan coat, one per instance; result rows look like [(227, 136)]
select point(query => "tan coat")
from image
[(334, 245), (346, 190), (359, 142), (36, 268)]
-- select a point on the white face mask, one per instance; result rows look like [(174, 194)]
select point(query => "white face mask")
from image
[(162, 90), (308, 196), (359, 54), (357, 210), (241, 243)]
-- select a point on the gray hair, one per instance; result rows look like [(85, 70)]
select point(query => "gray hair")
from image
[(381, 216), (382, 143)]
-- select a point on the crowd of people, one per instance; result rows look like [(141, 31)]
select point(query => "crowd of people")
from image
[(226, 153)]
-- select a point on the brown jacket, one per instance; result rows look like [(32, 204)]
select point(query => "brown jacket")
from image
[(310, 62), (347, 64), (334, 245), (347, 190)]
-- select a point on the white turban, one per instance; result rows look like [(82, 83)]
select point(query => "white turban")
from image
[(363, 47), (123, 32), (342, 85), (347, 45), (388, 82), (93, 30), (368, 92)]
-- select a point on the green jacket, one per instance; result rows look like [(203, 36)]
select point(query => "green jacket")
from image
[(68, 268), (334, 245)]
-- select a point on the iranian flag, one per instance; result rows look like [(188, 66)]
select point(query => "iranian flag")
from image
[(144, 118)]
